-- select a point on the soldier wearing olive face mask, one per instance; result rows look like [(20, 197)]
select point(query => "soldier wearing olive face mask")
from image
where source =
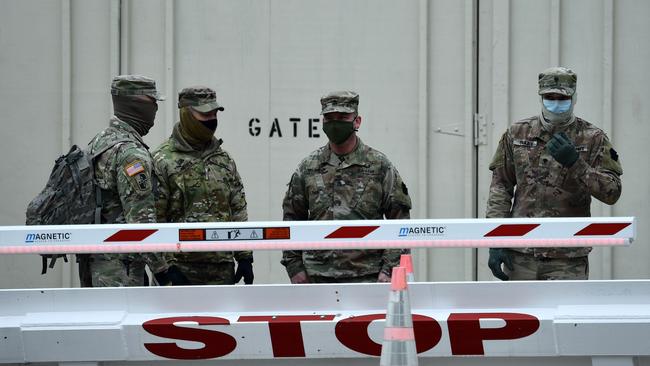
[(199, 182), (557, 162), (344, 180)]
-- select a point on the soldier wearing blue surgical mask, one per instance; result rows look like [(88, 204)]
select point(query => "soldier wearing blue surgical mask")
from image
[(550, 165)]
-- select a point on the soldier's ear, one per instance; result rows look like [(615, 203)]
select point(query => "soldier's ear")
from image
[(357, 122)]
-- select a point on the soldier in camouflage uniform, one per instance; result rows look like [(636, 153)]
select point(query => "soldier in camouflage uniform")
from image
[(124, 172), (551, 165), (344, 180), (199, 182)]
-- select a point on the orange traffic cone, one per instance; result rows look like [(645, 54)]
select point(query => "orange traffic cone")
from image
[(398, 347), (406, 261)]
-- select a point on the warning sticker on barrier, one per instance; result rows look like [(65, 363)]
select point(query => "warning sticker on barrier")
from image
[(223, 234)]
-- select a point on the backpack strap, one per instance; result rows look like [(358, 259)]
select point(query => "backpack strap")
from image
[(99, 203)]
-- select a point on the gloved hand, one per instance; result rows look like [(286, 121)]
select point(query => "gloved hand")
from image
[(172, 276), (244, 269), (498, 256), (562, 149)]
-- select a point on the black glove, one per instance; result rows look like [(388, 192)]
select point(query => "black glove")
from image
[(172, 276), (562, 149), (498, 256), (244, 269), (162, 278)]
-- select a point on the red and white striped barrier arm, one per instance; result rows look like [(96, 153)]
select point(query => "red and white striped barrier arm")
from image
[(310, 235)]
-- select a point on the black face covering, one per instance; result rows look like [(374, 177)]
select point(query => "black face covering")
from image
[(211, 124), (138, 113)]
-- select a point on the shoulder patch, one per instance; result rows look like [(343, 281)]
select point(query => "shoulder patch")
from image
[(134, 168), (610, 159), (143, 181)]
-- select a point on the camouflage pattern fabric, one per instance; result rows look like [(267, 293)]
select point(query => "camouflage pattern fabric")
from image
[(544, 188), (124, 172), (116, 273), (200, 98), (344, 101), (198, 273), (132, 85), (199, 186), (528, 268), (362, 185), (560, 80), (354, 279)]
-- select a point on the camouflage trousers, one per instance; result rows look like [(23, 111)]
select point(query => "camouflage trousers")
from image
[(358, 279), (113, 271), (529, 268), (198, 273)]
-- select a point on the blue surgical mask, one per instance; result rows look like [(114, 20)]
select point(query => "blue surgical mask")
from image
[(557, 106)]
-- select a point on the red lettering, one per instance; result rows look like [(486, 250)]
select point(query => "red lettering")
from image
[(286, 333), (353, 333), (467, 336), (217, 344)]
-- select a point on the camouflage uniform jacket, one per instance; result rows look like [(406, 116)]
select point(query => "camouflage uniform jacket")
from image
[(362, 185), (198, 186), (124, 173), (544, 188)]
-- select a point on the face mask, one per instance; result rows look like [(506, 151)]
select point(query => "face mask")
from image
[(138, 113), (195, 132), (211, 124), (338, 131), (558, 113), (557, 106)]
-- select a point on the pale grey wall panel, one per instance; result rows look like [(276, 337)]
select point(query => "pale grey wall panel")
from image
[(450, 130), (31, 99), (530, 52), (146, 48), (94, 63), (631, 130)]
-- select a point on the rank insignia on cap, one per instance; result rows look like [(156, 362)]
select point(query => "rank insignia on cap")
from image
[(134, 168)]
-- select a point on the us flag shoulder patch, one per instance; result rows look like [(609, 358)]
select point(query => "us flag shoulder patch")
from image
[(134, 168)]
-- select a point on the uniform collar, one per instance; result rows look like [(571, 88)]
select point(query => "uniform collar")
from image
[(121, 125), (537, 130), (356, 157)]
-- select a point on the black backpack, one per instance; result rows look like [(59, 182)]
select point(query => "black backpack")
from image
[(71, 196)]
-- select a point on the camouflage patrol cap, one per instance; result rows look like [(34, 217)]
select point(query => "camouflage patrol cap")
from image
[(200, 98), (557, 80), (131, 85), (345, 101)]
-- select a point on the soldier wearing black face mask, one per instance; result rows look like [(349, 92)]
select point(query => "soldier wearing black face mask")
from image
[(343, 180), (124, 172), (199, 183)]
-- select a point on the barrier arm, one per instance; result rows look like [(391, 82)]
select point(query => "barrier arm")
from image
[(315, 235)]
